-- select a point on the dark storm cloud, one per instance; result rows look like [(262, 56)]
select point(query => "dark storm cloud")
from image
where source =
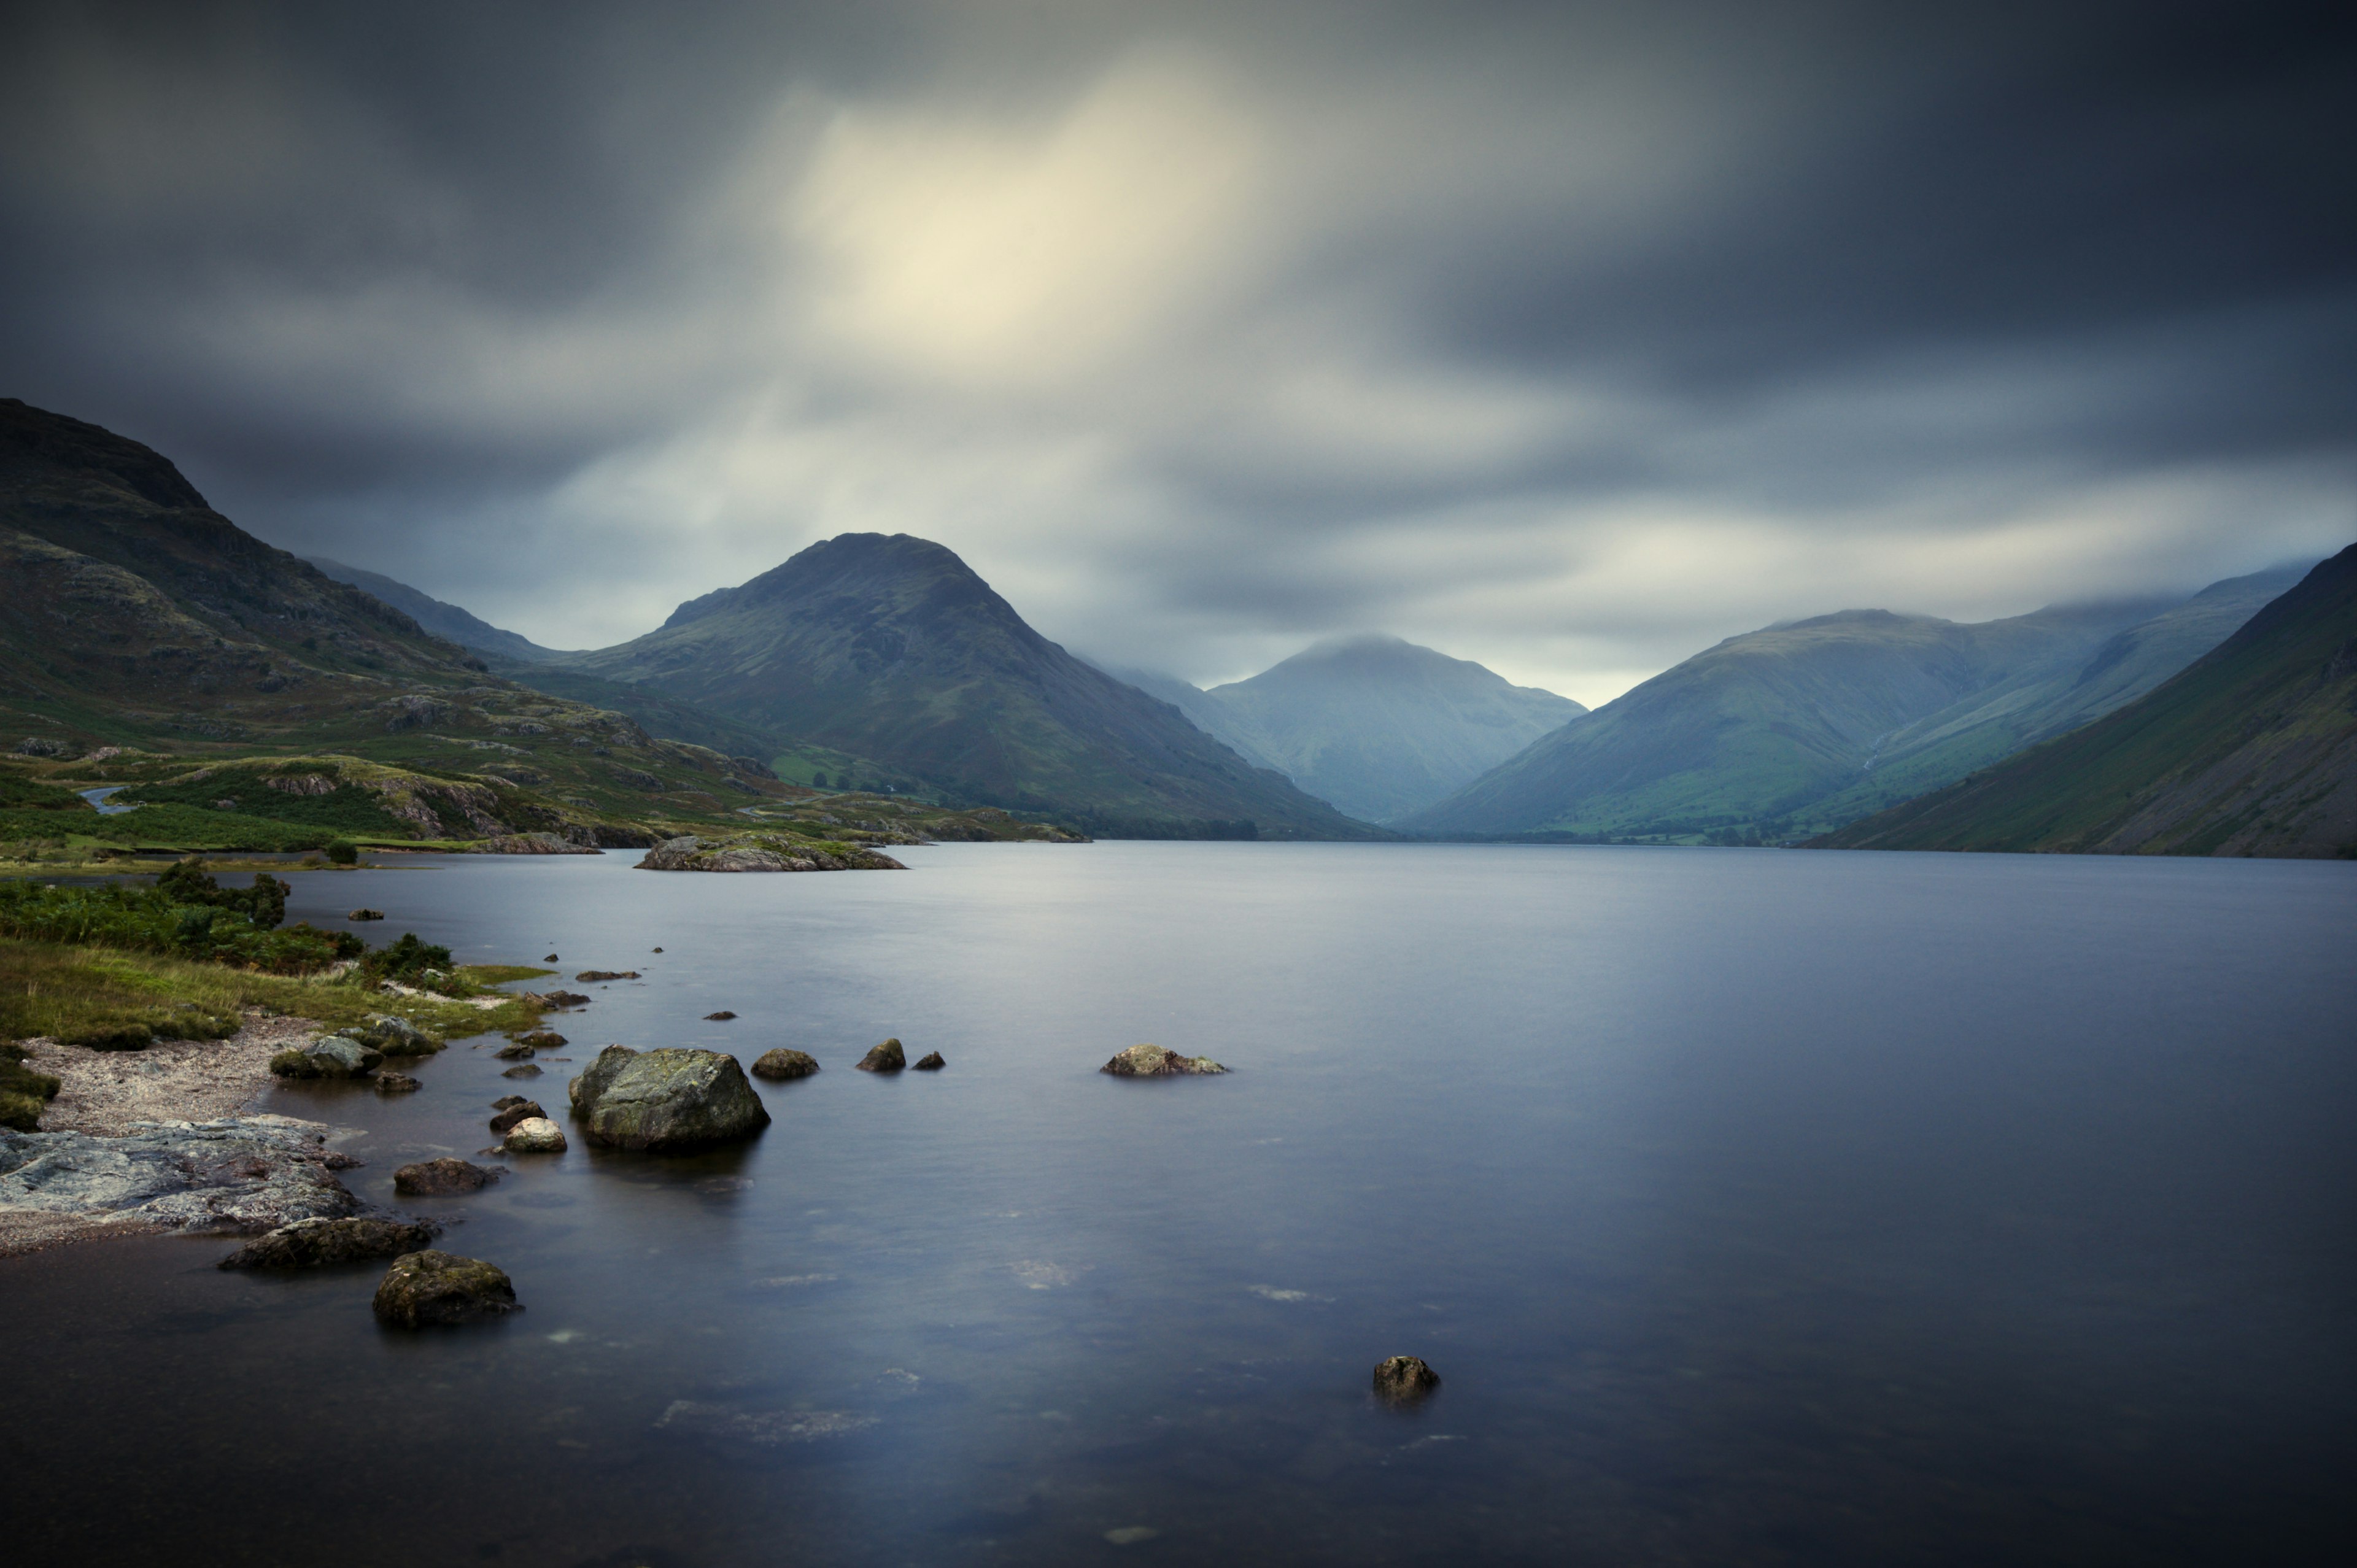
[(1569, 338)]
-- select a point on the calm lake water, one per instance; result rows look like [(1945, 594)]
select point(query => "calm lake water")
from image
[(1755, 1206)]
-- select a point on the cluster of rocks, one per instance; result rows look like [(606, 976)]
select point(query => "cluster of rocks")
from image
[(357, 1050), (524, 1128)]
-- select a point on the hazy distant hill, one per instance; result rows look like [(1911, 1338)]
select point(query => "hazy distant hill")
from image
[(1800, 727), (444, 620), (2251, 750), (1381, 726), (892, 648)]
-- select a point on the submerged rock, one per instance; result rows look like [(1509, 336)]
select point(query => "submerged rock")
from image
[(930, 1063), (241, 1173), (783, 1063), (720, 1017), (1405, 1378), (521, 1109), (434, 1287), (535, 1135), (316, 1244), (514, 1049), (1157, 1061), (667, 1099), (396, 1083), (331, 1055), (506, 1100), (762, 852), (439, 1178), (885, 1058), (524, 1069)]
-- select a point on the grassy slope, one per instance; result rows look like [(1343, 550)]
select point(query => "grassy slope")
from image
[(2251, 750)]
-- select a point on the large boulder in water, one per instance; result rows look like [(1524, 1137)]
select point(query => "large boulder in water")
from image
[(1403, 1379), (432, 1287), (669, 1098), (785, 1063), (1157, 1061), (885, 1058)]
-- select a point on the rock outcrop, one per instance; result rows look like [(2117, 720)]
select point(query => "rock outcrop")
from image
[(665, 1099), (316, 1243), (931, 1063), (431, 1287), (762, 852), (240, 1172), (440, 1178), (783, 1063), (1157, 1061), (885, 1058)]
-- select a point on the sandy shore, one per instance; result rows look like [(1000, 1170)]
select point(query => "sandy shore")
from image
[(104, 1092)]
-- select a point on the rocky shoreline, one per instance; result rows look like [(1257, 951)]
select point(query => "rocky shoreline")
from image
[(133, 1137)]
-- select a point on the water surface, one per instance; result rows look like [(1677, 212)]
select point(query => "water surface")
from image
[(1756, 1207)]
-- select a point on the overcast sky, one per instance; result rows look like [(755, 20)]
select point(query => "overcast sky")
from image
[(1570, 339)]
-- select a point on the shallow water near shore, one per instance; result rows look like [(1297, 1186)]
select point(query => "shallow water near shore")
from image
[(1755, 1206)]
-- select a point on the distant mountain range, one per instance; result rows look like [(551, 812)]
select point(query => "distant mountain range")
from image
[(444, 620), (1377, 725), (1800, 728), (891, 648), (2250, 750)]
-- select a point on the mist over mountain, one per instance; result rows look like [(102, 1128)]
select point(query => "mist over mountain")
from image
[(891, 647), (1799, 727), (1379, 725), (2250, 750), (444, 620)]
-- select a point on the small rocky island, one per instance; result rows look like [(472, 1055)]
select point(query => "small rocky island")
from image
[(1157, 1061), (762, 852)]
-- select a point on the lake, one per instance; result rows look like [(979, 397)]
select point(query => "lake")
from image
[(1754, 1207)]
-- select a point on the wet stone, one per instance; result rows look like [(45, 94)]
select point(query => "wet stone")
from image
[(885, 1058), (438, 1178)]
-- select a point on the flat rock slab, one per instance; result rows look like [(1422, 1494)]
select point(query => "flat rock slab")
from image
[(319, 1243), (1157, 1061), (238, 1174)]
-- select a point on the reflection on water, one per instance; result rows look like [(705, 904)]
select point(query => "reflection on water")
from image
[(1754, 1208)]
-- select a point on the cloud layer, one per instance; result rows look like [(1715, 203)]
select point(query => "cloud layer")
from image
[(1567, 339)]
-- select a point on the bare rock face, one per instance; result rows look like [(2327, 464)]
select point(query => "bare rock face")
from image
[(783, 1063), (440, 1178), (518, 1108), (1404, 1378), (535, 1135), (433, 1288), (885, 1058), (316, 1243), (1157, 1061), (245, 1173), (665, 1099), (931, 1063)]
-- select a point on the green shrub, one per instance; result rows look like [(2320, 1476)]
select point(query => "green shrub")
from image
[(110, 1036), (22, 1091), (408, 961), (230, 926), (343, 852)]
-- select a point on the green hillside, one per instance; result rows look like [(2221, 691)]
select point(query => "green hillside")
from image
[(2251, 750)]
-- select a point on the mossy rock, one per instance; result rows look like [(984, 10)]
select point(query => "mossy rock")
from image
[(885, 1058), (432, 1288), (21, 1112), (393, 1036), (782, 1063), (331, 1055)]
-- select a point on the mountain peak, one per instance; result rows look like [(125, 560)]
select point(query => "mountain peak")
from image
[(856, 563)]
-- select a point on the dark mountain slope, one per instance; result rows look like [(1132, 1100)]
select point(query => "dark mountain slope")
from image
[(1381, 726), (891, 648), (2251, 750), (1745, 739), (444, 620)]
